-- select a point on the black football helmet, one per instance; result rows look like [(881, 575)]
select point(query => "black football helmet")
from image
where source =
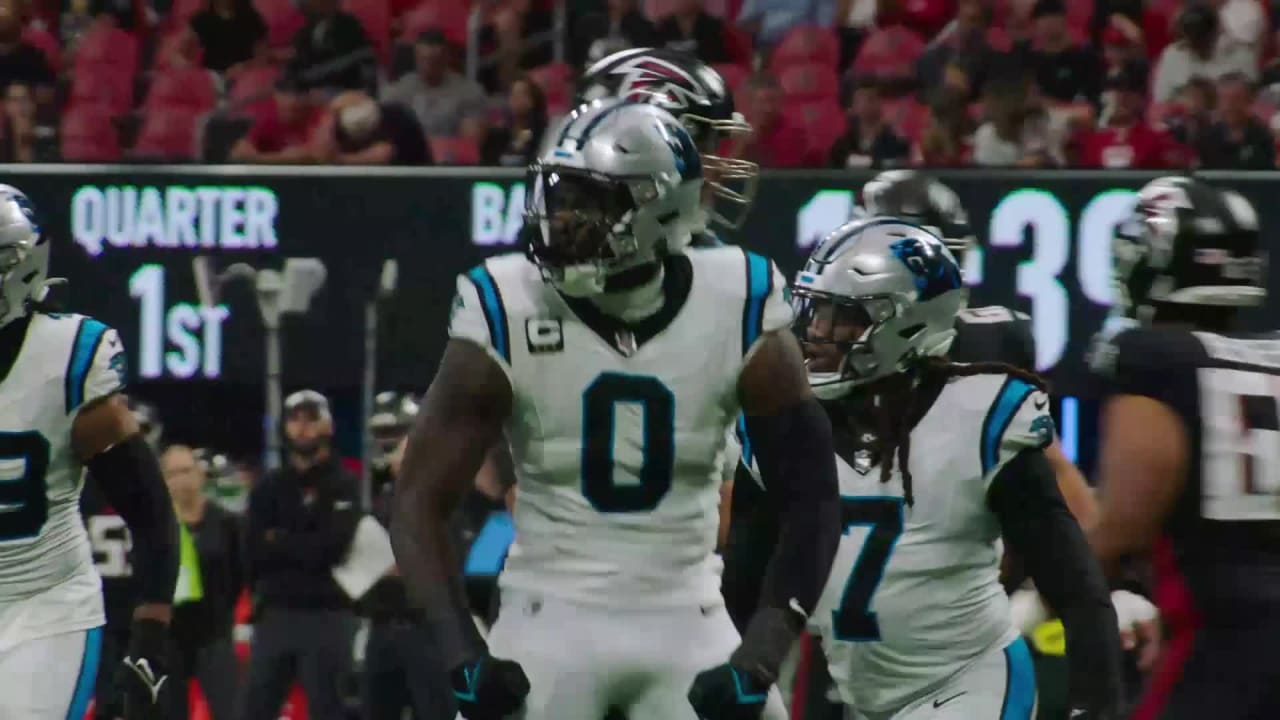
[(923, 200), (698, 97), (393, 413), (1187, 243)]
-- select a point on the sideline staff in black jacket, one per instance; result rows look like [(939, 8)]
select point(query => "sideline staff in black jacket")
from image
[(302, 519)]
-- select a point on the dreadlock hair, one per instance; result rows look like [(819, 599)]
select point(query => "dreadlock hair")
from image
[(895, 402)]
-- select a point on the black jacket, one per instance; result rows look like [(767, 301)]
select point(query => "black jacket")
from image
[(301, 526), (218, 539)]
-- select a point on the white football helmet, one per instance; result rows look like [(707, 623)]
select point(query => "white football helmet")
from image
[(618, 187), (24, 256)]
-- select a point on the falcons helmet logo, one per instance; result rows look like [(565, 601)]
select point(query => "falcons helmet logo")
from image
[(646, 78)]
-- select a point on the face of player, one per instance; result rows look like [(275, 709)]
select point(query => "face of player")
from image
[(828, 331), (581, 213)]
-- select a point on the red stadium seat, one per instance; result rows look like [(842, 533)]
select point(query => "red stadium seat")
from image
[(889, 53), (177, 42), (47, 43), (167, 133), (108, 46), (254, 84), (454, 150), (102, 86), (734, 75), (375, 16), (447, 16), (810, 82), (283, 21), (806, 44), (87, 135), (182, 12), (823, 123), (190, 88), (556, 81)]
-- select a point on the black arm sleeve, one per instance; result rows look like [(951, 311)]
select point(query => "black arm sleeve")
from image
[(130, 479), (797, 463), (1036, 522)]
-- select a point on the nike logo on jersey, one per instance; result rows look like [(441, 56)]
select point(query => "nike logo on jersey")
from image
[(939, 703), (1040, 401)]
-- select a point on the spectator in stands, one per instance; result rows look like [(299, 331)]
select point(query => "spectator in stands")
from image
[(302, 519), (962, 43), (359, 130), (945, 139), (1237, 141), (1193, 115), (208, 589), (775, 141), (769, 20), (25, 140), (332, 49), (1122, 44), (1126, 141), (868, 141), (1204, 51), (691, 29), (519, 38), (19, 60), (1063, 70), (282, 132), (230, 32), (926, 17), (439, 96), (1016, 131), (621, 25), (1245, 21), (515, 142)]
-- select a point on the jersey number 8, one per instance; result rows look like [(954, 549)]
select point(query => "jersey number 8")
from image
[(24, 460), (601, 402)]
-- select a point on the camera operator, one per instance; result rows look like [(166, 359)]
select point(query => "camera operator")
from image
[(208, 585), (302, 519), (402, 672)]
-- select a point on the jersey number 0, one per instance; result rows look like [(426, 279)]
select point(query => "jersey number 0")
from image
[(24, 460), (600, 405)]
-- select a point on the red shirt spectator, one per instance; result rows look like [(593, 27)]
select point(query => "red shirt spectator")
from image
[(1128, 141), (775, 142), (283, 132)]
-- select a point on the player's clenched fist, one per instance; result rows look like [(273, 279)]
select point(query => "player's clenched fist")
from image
[(726, 692), (489, 688)]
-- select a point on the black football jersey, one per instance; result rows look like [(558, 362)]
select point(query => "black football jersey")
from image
[(1223, 536), (994, 334), (112, 553)]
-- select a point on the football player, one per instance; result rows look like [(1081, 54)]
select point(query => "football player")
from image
[(937, 462), (60, 382), (1188, 447), (614, 366), (990, 333), (698, 97)]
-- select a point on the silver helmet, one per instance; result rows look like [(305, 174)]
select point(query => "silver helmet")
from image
[(24, 256), (876, 295), (619, 187)]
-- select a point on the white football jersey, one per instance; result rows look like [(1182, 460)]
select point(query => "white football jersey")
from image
[(617, 433), (47, 581), (914, 594)]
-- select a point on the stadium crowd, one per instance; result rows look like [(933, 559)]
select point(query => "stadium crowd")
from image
[(836, 83)]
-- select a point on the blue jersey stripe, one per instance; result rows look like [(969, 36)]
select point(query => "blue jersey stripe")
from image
[(489, 549), (1020, 685), (88, 336), (88, 674), (744, 441), (1006, 405), (759, 285), (494, 313)]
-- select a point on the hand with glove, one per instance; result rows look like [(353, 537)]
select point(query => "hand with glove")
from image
[(489, 688), (727, 692), (143, 675)]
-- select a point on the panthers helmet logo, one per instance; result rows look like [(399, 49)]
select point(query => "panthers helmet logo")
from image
[(934, 272)]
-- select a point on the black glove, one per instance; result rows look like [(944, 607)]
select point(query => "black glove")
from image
[(726, 692), (143, 675), (489, 688)]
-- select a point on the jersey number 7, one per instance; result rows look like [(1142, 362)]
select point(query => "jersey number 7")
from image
[(854, 621)]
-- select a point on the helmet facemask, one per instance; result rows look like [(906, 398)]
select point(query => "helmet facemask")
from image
[(838, 336), (23, 269), (730, 183)]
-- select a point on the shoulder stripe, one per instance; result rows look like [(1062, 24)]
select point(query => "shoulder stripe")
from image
[(1008, 400), (759, 285), (743, 440), (495, 315), (88, 337)]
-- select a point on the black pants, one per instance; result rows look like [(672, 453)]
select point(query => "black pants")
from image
[(311, 646), (1226, 674), (215, 667), (108, 704), (402, 672)]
